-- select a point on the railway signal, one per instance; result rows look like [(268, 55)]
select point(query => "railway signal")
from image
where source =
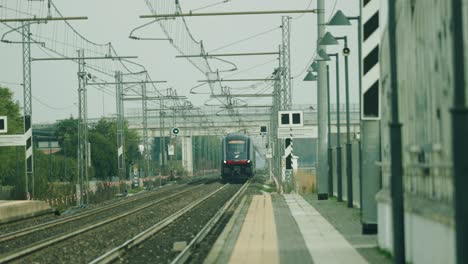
[(3, 124), (263, 130), (288, 153), (175, 131)]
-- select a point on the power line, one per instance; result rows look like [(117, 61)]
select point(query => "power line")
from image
[(246, 39), (52, 107)]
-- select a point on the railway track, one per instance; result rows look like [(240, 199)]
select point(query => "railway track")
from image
[(143, 244), (18, 245), (18, 232)]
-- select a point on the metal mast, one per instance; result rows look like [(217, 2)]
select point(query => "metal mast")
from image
[(120, 125), (286, 63), (29, 164), (144, 105), (83, 157)]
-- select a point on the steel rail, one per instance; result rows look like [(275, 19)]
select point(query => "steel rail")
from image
[(189, 249), (36, 228), (54, 240), (115, 253)]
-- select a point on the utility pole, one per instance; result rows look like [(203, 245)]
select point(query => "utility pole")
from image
[(120, 126), (83, 152), (144, 105), (26, 39), (286, 85), (27, 90), (82, 127), (161, 142), (322, 172)]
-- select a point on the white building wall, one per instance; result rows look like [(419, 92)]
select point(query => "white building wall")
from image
[(424, 57)]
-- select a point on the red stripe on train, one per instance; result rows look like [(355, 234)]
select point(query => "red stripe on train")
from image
[(237, 162)]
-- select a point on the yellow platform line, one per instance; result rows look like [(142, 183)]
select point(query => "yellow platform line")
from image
[(257, 241)]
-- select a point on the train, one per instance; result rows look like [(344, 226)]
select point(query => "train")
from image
[(238, 157)]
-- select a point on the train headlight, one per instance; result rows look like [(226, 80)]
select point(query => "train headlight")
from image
[(248, 161), (224, 162)]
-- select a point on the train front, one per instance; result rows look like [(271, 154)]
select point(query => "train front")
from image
[(237, 162)]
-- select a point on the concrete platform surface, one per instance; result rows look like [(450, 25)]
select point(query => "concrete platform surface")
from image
[(257, 241), (288, 229), (325, 243), (15, 210)]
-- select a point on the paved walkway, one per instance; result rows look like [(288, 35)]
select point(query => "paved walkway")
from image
[(257, 241), (290, 229), (325, 243), (348, 222), (292, 247)]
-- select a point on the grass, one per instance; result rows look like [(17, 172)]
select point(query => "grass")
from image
[(136, 190), (385, 253)]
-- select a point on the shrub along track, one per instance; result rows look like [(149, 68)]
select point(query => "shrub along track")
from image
[(47, 238)]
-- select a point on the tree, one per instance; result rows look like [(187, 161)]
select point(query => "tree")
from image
[(66, 132), (12, 158)]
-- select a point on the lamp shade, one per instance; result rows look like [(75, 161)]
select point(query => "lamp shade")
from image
[(310, 77), (313, 67), (328, 39), (339, 19), (323, 55)]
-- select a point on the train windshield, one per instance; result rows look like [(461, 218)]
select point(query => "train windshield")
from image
[(236, 150)]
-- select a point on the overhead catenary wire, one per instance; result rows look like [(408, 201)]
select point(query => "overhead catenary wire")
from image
[(246, 39), (52, 107), (211, 5)]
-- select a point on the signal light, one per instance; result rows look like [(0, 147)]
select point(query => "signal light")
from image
[(346, 52)]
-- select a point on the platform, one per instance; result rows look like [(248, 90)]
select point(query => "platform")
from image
[(281, 229), (14, 210)]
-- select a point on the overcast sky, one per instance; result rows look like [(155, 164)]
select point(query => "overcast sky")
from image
[(55, 83)]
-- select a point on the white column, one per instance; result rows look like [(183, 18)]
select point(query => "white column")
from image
[(187, 154)]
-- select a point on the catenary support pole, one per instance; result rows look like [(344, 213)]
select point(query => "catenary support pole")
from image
[(286, 53), (121, 164), (27, 91), (322, 175), (144, 108), (82, 128), (459, 132), (396, 146)]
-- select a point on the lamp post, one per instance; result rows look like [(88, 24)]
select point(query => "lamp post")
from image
[(340, 19), (330, 152), (459, 129), (339, 175), (326, 57), (329, 39)]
